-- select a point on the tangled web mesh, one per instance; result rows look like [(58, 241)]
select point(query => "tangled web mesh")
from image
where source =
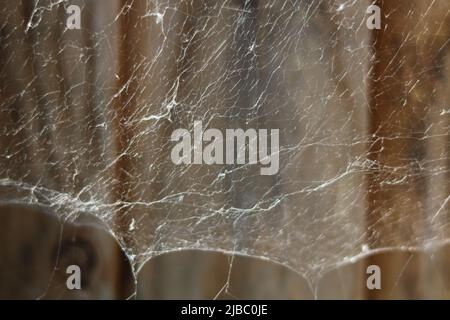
[(87, 116)]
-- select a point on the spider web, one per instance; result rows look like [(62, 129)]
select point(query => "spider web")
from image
[(88, 114)]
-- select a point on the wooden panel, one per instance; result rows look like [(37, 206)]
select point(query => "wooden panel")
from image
[(55, 70), (408, 201), (166, 83), (37, 249)]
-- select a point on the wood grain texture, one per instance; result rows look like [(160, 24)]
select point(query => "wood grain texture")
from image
[(403, 199), (410, 141)]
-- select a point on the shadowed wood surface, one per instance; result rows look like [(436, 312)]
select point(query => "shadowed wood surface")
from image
[(403, 76)]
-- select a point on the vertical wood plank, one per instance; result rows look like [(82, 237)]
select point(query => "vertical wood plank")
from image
[(409, 144)]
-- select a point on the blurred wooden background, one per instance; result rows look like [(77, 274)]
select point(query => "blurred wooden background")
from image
[(409, 119)]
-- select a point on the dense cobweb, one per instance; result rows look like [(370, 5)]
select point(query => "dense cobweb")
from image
[(87, 116)]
